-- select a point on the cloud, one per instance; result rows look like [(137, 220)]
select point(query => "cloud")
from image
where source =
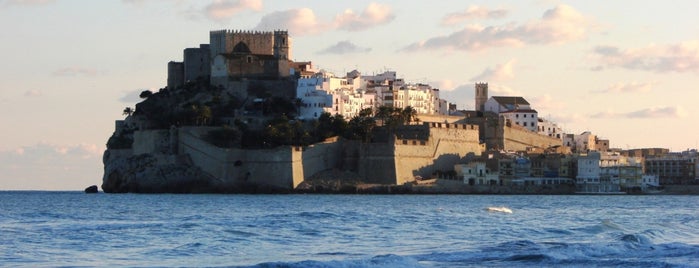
[(51, 167), (680, 57), (654, 112), (133, 96), (28, 2), (344, 47), (76, 71), (632, 87), (461, 95), (546, 103), (473, 12), (374, 15), (33, 93), (444, 85), (303, 21), (502, 90), (223, 10), (558, 25), (297, 21), (499, 73)]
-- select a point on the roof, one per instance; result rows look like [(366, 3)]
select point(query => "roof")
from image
[(510, 100), (520, 111)]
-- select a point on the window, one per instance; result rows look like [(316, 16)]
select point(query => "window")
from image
[(249, 59), (525, 115)]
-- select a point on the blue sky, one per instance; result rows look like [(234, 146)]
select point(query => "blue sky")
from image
[(627, 71)]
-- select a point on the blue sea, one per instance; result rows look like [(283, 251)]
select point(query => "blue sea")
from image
[(49, 229)]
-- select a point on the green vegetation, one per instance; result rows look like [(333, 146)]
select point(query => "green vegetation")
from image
[(197, 103)]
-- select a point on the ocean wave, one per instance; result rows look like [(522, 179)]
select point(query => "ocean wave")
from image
[(524, 253)]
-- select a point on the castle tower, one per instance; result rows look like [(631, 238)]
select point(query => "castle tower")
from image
[(481, 96), (282, 45)]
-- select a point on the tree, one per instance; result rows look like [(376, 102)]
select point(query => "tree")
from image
[(145, 94), (407, 115), (128, 111)]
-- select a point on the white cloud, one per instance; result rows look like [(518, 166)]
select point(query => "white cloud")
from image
[(298, 22), (374, 15), (501, 72), (473, 12), (653, 112), (134, 95), (444, 85), (28, 2), (223, 10), (76, 71), (632, 87), (558, 25), (680, 57), (344, 47)]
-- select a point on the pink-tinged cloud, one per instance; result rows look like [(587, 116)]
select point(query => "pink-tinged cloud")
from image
[(653, 112), (545, 104), (224, 10), (374, 15), (33, 93), (501, 72), (559, 25), (680, 57), (298, 22), (473, 12), (76, 71), (502, 90), (303, 21), (632, 87), (344, 47)]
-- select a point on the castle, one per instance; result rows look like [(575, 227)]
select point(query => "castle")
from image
[(235, 55)]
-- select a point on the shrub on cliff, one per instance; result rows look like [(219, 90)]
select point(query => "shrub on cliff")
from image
[(225, 137)]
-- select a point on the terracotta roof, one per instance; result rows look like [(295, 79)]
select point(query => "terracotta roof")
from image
[(510, 100)]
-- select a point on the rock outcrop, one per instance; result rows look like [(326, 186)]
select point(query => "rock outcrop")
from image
[(149, 173), (91, 189)]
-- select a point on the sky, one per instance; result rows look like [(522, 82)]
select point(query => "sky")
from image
[(626, 71)]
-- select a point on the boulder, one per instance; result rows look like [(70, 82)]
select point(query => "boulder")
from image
[(91, 189)]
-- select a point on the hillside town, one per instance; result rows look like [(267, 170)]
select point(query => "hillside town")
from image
[(243, 87)]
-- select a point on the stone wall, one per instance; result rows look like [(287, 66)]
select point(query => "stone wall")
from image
[(283, 167), (151, 141), (447, 145), (514, 139)]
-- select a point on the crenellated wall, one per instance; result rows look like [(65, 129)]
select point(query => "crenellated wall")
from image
[(447, 145)]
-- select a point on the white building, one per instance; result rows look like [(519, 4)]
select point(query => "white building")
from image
[(585, 142), (515, 109), (476, 173), (323, 92), (314, 100), (549, 128)]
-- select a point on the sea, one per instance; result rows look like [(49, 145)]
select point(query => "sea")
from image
[(74, 229)]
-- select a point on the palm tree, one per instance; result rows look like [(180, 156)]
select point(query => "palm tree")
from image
[(408, 114)]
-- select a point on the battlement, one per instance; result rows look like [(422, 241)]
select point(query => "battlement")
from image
[(250, 32), (451, 125)]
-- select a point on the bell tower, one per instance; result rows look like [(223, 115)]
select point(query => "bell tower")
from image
[(481, 96)]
